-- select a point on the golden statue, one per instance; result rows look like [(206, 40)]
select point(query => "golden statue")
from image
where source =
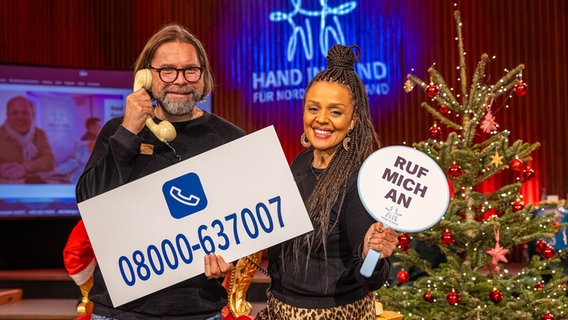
[(86, 305), (241, 278)]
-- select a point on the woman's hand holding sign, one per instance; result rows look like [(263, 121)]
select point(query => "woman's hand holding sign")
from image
[(403, 189), (380, 239)]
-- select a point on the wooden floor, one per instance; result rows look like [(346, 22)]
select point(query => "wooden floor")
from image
[(38, 274), (40, 309), (47, 308), (56, 309)]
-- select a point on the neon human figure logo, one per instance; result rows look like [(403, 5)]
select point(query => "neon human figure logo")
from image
[(328, 34)]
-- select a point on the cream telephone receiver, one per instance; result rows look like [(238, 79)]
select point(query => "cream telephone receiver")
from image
[(164, 130)]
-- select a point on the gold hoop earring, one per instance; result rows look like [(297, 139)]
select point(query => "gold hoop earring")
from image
[(346, 141), (304, 141)]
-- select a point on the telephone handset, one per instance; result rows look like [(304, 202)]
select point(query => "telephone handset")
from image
[(190, 200), (164, 130)]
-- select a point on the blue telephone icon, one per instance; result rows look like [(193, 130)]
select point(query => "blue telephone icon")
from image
[(192, 200), (184, 195)]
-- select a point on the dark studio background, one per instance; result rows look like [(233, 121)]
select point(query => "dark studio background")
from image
[(109, 34)]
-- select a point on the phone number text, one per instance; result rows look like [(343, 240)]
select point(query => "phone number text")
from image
[(219, 234)]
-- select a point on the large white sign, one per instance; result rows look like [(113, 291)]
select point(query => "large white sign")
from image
[(233, 200)]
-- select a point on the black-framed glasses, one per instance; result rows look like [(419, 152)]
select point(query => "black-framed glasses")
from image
[(169, 74)]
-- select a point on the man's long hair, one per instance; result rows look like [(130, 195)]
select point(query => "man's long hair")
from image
[(172, 33)]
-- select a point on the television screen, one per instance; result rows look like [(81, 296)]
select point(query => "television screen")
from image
[(46, 133)]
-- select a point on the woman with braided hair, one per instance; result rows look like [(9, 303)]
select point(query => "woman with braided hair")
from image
[(316, 275)]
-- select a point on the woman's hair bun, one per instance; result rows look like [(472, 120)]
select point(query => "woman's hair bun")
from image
[(342, 57)]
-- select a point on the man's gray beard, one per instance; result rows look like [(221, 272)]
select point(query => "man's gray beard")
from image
[(177, 107)]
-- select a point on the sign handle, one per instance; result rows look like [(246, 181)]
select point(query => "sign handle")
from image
[(370, 263)]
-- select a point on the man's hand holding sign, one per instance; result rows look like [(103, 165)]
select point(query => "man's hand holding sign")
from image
[(404, 189), (231, 201)]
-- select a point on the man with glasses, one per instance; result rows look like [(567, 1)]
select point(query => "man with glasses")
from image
[(127, 150)]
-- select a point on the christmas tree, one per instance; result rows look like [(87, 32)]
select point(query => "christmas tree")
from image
[(458, 268)]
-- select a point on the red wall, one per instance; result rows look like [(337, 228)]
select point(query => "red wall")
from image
[(110, 34)]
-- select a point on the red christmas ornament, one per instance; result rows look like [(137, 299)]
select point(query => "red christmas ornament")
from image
[(434, 132), (518, 205), (404, 242), (448, 238), (521, 88), (495, 296), (432, 90), (547, 316), (517, 164), (428, 297), (404, 239), (453, 298), (454, 170), (442, 109), (539, 286), (540, 246), (527, 173), (548, 252), (402, 276)]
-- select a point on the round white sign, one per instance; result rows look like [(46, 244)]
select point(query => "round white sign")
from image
[(403, 188)]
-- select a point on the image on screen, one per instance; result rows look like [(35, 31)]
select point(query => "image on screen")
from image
[(48, 130)]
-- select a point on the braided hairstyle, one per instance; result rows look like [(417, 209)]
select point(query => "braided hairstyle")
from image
[(331, 185)]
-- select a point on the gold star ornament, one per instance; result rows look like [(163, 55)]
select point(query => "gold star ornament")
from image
[(496, 159)]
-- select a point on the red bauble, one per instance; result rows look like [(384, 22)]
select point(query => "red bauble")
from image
[(548, 252), (517, 164), (402, 276), (540, 246), (518, 205), (432, 90), (448, 238), (434, 132), (428, 297), (547, 316), (403, 239), (453, 298), (404, 248), (527, 173), (539, 286), (521, 88), (496, 296), (454, 171)]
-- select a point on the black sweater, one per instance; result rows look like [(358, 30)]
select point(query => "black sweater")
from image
[(116, 160), (338, 281)]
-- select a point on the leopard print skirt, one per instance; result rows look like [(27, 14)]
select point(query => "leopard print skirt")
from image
[(363, 309)]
